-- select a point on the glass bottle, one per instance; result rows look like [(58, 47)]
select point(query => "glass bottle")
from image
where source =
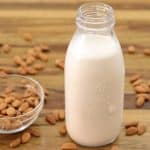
[(94, 78)]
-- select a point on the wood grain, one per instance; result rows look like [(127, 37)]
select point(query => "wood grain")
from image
[(53, 22)]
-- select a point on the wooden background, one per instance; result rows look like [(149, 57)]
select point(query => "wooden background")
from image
[(53, 22)]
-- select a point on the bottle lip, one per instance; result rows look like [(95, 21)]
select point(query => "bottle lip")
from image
[(95, 16)]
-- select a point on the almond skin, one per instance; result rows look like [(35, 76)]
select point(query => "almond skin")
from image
[(6, 48), (131, 131), (26, 136), (14, 143), (141, 129), (51, 119), (3, 106), (144, 95), (69, 146)]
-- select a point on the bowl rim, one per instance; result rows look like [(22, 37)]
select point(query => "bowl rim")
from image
[(41, 96)]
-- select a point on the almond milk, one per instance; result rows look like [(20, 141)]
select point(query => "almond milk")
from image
[(94, 84)]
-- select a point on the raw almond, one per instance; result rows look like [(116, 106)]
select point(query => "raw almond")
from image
[(11, 111), (50, 118), (115, 147), (59, 63), (147, 52), (44, 47), (140, 101), (26, 136), (16, 103), (144, 95), (39, 66), (142, 89), (3, 106), (63, 130), (69, 146), (43, 57), (141, 129), (6, 48), (30, 60), (18, 61), (131, 123), (31, 71), (9, 99), (137, 82), (35, 132), (3, 74), (131, 49), (131, 131), (23, 107), (135, 77), (14, 143), (22, 70), (61, 115), (27, 37)]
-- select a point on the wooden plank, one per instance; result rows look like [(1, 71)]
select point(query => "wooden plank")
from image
[(50, 138)]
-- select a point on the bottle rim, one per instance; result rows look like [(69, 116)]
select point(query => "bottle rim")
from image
[(95, 16)]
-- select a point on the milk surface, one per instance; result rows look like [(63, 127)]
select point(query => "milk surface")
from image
[(94, 81)]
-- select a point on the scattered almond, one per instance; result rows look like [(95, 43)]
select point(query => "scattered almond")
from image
[(147, 51), (27, 37), (131, 123), (61, 115), (50, 118), (142, 89), (59, 63), (131, 131), (26, 136), (35, 132), (69, 146), (39, 66), (14, 143), (6, 48), (131, 49), (140, 101), (135, 77), (141, 129), (63, 130)]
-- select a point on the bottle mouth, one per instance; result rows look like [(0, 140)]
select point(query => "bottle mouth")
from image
[(95, 16)]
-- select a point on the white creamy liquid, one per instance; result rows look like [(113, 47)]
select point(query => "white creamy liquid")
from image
[(94, 81)]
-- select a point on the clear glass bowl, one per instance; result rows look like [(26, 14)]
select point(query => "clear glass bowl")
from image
[(22, 121)]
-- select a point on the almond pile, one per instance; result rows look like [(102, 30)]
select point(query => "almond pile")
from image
[(25, 137), (15, 104), (28, 63), (141, 88), (134, 127)]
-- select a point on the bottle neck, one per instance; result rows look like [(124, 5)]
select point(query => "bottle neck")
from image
[(95, 18)]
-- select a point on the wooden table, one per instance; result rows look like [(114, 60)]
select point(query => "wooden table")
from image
[(53, 22)]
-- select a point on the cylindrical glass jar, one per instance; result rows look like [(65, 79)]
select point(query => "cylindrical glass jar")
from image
[(94, 78)]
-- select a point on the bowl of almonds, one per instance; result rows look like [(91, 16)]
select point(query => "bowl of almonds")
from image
[(21, 101)]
